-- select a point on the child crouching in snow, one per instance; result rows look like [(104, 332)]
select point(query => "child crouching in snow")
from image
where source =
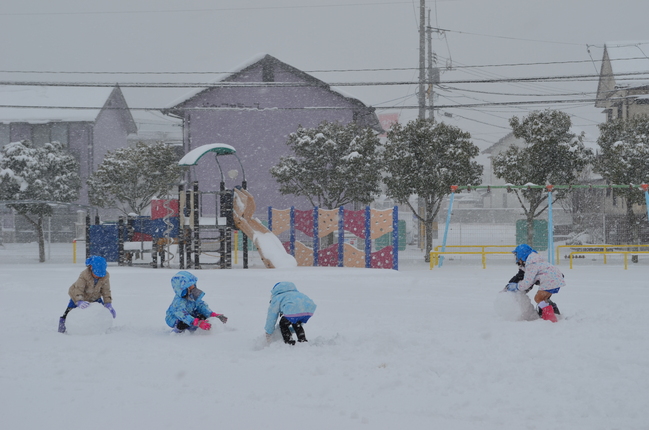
[(534, 269), (188, 311), (292, 307), (93, 285)]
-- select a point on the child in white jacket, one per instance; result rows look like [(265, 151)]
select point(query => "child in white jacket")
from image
[(538, 271)]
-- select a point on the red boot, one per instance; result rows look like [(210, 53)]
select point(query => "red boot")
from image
[(548, 314)]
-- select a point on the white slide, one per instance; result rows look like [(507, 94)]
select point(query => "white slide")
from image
[(270, 248)]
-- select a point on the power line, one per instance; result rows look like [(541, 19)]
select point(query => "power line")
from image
[(384, 69), (509, 38), (211, 108), (560, 78), (225, 9), (444, 87)]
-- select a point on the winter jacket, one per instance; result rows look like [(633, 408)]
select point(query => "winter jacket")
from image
[(183, 308), (538, 269), (286, 300), (86, 289)]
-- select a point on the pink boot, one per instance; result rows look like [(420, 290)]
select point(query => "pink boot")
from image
[(548, 314)]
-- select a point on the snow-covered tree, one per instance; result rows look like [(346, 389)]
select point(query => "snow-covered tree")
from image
[(332, 165), (624, 160), (424, 158), (552, 155), (129, 178), (34, 176)]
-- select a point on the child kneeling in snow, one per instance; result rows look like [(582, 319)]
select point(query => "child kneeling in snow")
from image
[(534, 269), (292, 307), (188, 311), (93, 285)]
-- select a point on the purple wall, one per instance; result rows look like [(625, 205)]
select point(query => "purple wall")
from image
[(79, 143), (20, 131), (109, 134), (259, 136)]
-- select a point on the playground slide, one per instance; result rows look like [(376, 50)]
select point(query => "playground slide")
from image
[(270, 248)]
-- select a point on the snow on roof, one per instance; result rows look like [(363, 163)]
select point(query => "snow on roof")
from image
[(46, 104), (238, 68), (255, 59), (152, 124), (629, 57)]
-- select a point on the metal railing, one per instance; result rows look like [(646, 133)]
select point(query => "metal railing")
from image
[(434, 255)]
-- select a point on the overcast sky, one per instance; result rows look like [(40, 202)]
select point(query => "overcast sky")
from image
[(535, 38)]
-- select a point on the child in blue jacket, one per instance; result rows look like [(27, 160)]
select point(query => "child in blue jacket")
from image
[(292, 307), (188, 310)]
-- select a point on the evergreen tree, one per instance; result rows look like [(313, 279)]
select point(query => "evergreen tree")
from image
[(333, 165), (552, 155), (624, 160), (425, 159), (129, 178), (35, 176)]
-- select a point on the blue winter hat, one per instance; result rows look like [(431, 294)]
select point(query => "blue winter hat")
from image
[(522, 252), (97, 265)]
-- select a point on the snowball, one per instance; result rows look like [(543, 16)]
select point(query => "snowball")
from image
[(95, 319), (514, 306)]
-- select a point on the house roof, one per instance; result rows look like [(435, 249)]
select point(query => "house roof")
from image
[(503, 140), (265, 60), (625, 65), (43, 104), (630, 59)]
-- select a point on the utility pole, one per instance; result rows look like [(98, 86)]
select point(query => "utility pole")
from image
[(422, 59), (433, 70), (429, 91)]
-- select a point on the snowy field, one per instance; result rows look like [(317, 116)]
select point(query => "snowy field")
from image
[(413, 349)]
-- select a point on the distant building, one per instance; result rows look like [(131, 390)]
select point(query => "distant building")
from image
[(499, 198), (256, 117), (88, 121), (623, 89)]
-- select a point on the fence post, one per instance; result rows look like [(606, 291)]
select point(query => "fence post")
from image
[(550, 226), (292, 231), (395, 238), (87, 235), (316, 237), (645, 188), (341, 236), (368, 237), (448, 221)]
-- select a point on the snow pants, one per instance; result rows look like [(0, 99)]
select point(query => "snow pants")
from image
[(285, 328)]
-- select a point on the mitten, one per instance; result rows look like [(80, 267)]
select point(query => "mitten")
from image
[(222, 317), (512, 286), (202, 324), (110, 308), (82, 304)]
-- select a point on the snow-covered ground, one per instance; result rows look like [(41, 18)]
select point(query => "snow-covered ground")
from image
[(414, 348)]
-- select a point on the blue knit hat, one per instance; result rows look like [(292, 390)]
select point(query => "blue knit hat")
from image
[(522, 252), (97, 265)]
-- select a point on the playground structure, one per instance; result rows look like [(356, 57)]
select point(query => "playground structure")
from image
[(199, 223), (196, 223), (367, 224)]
